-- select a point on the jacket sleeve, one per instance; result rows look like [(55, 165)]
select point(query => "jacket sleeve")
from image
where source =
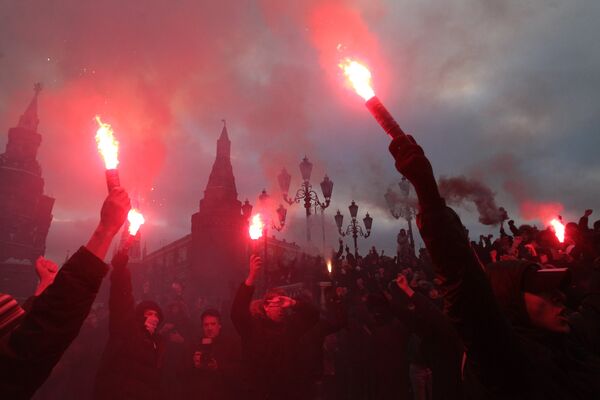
[(28, 353), (305, 316), (121, 304), (240, 309), (469, 302)]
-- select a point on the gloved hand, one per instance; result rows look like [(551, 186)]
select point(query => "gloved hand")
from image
[(414, 165)]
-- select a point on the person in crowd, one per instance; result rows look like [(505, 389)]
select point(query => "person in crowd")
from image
[(132, 360), (271, 335), (436, 350), (512, 321), (34, 342), (214, 361)]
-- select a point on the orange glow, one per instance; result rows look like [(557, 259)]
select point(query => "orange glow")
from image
[(359, 77), (329, 267), (559, 229), (107, 144), (256, 227), (136, 220)]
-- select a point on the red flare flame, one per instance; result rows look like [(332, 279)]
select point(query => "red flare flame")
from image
[(359, 77), (256, 227), (136, 220), (329, 266), (559, 229), (108, 146)]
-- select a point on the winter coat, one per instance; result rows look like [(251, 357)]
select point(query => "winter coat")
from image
[(219, 384), (34, 347), (132, 359), (506, 357), (270, 351)]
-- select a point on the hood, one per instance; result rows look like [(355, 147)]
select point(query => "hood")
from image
[(506, 279), (147, 305)]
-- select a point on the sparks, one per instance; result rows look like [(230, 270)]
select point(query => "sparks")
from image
[(256, 227), (559, 229), (136, 220), (108, 146), (359, 77)]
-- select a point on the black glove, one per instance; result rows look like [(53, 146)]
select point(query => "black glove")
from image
[(414, 165), (120, 259)]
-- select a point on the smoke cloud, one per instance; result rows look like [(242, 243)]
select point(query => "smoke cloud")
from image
[(458, 190)]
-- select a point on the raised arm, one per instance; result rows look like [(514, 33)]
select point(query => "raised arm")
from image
[(121, 303), (469, 302), (240, 309), (29, 352)]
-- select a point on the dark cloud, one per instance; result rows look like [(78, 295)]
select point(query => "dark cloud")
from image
[(471, 79)]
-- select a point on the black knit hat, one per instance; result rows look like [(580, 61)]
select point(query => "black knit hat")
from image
[(148, 305)]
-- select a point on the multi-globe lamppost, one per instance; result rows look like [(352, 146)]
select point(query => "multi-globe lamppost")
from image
[(306, 193), (401, 208), (354, 228)]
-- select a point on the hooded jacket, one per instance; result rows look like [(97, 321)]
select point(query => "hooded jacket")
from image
[(132, 359), (270, 351), (506, 356)]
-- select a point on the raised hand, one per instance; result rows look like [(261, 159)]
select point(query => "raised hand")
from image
[(403, 285), (255, 267), (46, 271), (413, 164), (112, 216), (114, 210)]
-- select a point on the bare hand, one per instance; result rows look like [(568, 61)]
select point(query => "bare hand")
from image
[(46, 271), (255, 267), (114, 210), (588, 212), (402, 283), (284, 301)]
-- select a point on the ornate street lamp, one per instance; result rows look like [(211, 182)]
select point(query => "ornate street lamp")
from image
[(354, 228), (305, 193), (263, 201), (400, 207)]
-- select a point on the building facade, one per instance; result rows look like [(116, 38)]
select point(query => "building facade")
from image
[(25, 211)]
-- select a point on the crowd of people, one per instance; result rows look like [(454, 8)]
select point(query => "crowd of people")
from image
[(512, 317)]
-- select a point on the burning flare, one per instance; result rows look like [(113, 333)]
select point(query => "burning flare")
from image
[(329, 268), (359, 77), (559, 229), (107, 144), (136, 220), (256, 227)]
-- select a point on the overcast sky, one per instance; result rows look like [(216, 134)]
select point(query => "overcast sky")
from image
[(505, 91)]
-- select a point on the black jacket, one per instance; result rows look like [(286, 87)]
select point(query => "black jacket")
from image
[(132, 359), (506, 358), (219, 384), (439, 344), (30, 351), (270, 351)]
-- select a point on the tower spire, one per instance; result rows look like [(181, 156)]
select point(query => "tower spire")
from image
[(29, 120), (224, 144)]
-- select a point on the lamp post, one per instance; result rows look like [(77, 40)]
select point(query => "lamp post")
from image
[(354, 228), (306, 194), (269, 222), (401, 207)]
